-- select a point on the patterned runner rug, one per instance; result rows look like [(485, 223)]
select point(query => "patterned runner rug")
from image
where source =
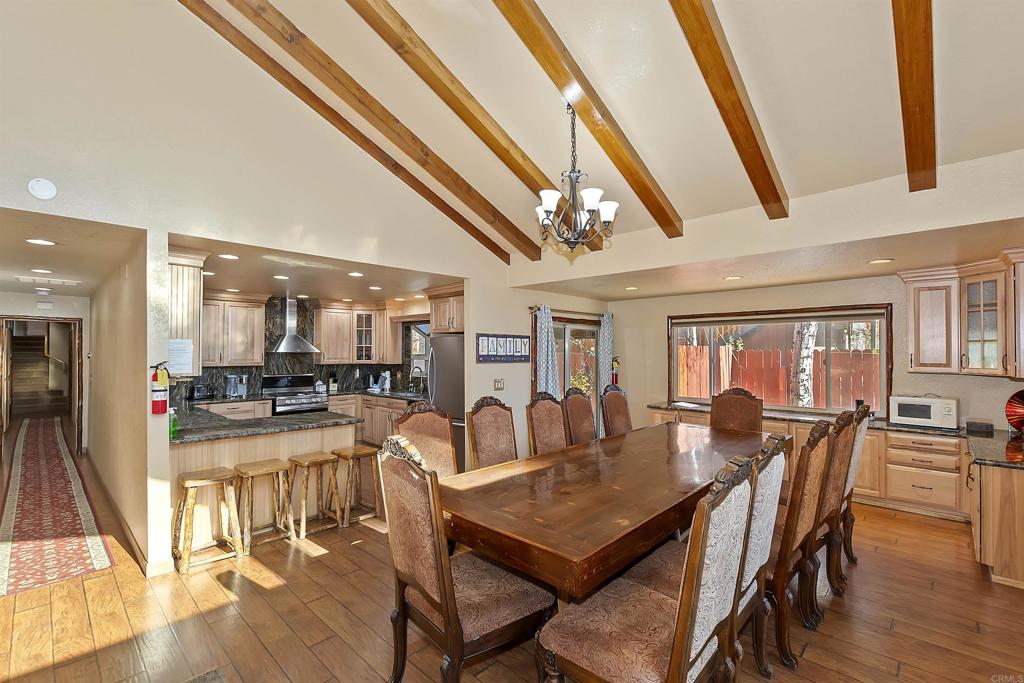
[(48, 532)]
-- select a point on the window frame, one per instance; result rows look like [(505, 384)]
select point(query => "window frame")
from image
[(567, 322), (821, 313)]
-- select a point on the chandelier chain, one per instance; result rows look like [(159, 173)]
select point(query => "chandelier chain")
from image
[(572, 135)]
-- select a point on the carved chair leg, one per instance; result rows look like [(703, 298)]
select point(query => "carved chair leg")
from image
[(547, 665), (451, 666), (400, 627), (762, 609), (782, 609), (833, 558), (812, 592), (849, 519)]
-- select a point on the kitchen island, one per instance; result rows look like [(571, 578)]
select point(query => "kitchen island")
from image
[(207, 439), (996, 494)]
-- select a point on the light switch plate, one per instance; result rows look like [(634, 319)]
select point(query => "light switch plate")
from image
[(499, 384)]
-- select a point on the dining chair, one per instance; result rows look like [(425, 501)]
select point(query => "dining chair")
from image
[(545, 424), (492, 433), (794, 526), (662, 570), (830, 505), (737, 409), (467, 606), (579, 416), (430, 429), (629, 632), (858, 451), (615, 411)]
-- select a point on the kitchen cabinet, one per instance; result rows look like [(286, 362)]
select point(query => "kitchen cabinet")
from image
[(983, 324), (233, 331), (363, 345), (924, 470), (1015, 310), (387, 337), (380, 416), (332, 334), (447, 308), (184, 320), (870, 479), (241, 410), (934, 332)]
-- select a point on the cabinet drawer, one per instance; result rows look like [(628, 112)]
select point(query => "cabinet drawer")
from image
[(926, 487), (393, 404), (234, 411), (932, 461), (343, 407), (917, 442)]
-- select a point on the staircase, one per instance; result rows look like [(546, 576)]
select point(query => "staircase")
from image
[(30, 372)]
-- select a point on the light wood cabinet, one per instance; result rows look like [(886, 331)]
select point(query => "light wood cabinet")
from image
[(233, 331), (1015, 317), (387, 337), (241, 410), (332, 334), (447, 308), (983, 324), (870, 479), (184, 320), (934, 326), (363, 346)]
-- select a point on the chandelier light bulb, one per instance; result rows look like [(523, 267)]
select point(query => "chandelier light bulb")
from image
[(549, 199), (591, 198), (607, 210)]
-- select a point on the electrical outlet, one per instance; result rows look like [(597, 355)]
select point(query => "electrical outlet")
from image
[(499, 385)]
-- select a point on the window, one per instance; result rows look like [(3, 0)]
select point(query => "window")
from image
[(825, 359), (576, 341)]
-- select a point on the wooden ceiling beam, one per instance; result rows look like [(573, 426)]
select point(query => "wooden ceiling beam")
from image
[(278, 72), (306, 52), (383, 18), (912, 22), (707, 41), (533, 28)]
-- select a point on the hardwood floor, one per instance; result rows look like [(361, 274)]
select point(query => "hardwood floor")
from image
[(917, 609)]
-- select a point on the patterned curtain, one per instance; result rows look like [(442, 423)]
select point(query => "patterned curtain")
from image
[(547, 356), (605, 351)]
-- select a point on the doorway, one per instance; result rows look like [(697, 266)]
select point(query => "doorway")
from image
[(41, 374), (576, 348)]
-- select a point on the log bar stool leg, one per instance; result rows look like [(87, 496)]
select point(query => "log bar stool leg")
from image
[(281, 508), (354, 456), (233, 530), (188, 514), (302, 465), (346, 506)]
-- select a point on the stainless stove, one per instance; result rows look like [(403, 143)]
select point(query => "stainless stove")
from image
[(293, 394)]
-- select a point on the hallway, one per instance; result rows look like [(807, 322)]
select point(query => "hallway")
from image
[(33, 389)]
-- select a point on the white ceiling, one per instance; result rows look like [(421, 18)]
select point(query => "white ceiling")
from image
[(86, 252), (951, 246), (314, 276)]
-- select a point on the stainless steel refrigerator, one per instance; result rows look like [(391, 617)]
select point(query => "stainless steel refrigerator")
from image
[(446, 385)]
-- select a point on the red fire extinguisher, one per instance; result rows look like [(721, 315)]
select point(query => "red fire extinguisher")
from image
[(615, 370), (160, 382)]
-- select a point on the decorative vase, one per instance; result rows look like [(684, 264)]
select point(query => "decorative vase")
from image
[(1015, 411)]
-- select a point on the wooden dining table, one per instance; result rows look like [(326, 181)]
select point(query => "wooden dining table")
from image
[(575, 517)]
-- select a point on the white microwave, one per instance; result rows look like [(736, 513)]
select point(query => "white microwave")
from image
[(924, 411)]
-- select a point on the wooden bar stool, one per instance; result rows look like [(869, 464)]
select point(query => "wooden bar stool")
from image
[(189, 484), (321, 463), (245, 474), (353, 455)]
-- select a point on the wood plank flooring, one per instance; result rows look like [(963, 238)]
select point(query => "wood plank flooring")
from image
[(918, 609)]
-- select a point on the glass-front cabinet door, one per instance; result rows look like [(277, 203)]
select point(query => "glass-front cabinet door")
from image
[(983, 318), (364, 337)]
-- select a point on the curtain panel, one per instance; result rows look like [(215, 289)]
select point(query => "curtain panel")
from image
[(605, 351), (547, 354)]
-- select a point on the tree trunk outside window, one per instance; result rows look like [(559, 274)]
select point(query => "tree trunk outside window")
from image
[(801, 379)]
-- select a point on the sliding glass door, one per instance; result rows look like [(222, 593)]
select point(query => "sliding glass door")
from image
[(576, 346)]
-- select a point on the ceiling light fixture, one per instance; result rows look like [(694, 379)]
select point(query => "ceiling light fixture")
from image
[(880, 261), (585, 208), (228, 257), (281, 277), (398, 298), (355, 273), (419, 296), (733, 277), (207, 273), (301, 296), (43, 271), (232, 290), (40, 242), (43, 293), (43, 289), (375, 288), (347, 300), (41, 188), (632, 289)]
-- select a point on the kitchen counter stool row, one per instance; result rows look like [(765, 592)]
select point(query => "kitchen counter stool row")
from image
[(237, 484)]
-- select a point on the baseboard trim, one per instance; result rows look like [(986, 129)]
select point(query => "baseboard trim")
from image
[(913, 509), (136, 550)]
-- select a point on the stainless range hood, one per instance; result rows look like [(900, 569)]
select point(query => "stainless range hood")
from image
[(290, 341)]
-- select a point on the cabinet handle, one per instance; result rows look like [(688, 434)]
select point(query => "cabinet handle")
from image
[(927, 462), (963, 357), (922, 443), (911, 360), (1006, 365), (925, 488)]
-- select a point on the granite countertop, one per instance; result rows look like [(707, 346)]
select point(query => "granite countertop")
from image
[(1002, 449), (227, 399), (809, 418), (401, 395), (196, 424)]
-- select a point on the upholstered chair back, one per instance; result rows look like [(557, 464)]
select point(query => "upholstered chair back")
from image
[(546, 423), (833, 490), (860, 420), (807, 483), (770, 466), (412, 499), (737, 409), (492, 434), (713, 560), (579, 416), (429, 429), (615, 411)]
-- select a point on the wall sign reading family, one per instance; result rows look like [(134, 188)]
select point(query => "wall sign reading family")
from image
[(502, 348)]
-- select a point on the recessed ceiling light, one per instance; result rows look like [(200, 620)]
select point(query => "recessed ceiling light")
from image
[(280, 277), (733, 277), (40, 242), (43, 289), (301, 296), (208, 273), (398, 298), (419, 296), (232, 290), (43, 271), (229, 257), (47, 293), (632, 289), (346, 299), (41, 188), (355, 273), (880, 261), (375, 288)]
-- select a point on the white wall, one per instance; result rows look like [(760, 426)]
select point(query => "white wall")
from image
[(642, 341), (15, 303), (59, 348)]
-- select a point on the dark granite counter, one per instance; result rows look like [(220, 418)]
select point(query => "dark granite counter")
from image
[(1002, 449), (196, 424), (400, 395), (225, 399), (808, 418)]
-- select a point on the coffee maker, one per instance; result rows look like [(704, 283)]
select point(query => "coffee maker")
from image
[(237, 386)]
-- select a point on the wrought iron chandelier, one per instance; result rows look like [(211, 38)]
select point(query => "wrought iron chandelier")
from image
[(584, 215)]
